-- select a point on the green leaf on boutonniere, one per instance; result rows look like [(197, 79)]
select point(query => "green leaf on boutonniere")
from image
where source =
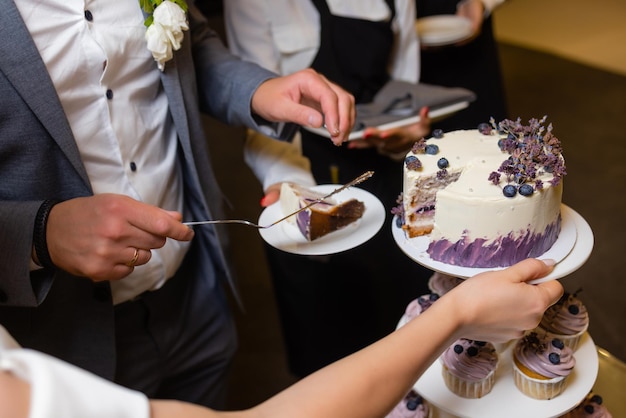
[(148, 21), (182, 4), (148, 7)]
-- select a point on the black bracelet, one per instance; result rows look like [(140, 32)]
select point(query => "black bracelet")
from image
[(40, 241)]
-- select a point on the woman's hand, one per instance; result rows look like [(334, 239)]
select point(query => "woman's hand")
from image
[(474, 10), (272, 194), (395, 140), (499, 305)]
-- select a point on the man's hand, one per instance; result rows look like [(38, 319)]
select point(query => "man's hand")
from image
[(104, 237), (308, 99)]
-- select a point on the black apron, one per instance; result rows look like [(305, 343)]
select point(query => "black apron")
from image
[(355, 54)]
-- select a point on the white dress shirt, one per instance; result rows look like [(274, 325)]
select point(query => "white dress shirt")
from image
[(284, 35), (111, 91)]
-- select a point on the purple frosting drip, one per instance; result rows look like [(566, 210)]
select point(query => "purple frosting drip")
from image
[(503, 252)]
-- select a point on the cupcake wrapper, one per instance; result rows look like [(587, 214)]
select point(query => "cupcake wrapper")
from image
[(537, 388), (466, 388)]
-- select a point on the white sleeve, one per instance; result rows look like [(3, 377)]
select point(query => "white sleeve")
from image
[(59, 389), (405, 63), (275, 161)]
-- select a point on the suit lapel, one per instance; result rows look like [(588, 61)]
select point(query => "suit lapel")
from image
[(170, 78), (22, 65), (173, 86)]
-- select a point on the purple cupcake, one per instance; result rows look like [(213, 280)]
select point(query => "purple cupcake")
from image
[(590, 407), (412, 406), (419, 305), (468, 368), (566, 320), (541, 365)]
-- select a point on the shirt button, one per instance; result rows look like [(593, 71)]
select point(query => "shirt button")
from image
[(133, 166), (88, 15), (109, 94)]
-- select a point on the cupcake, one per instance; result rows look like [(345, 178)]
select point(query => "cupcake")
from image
[(541, 365), (468, 368), (566, 320), (441, 284), (412, 406), (419, 305), (590, 407)]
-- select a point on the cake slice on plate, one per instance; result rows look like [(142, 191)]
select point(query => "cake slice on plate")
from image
[(321, 218)]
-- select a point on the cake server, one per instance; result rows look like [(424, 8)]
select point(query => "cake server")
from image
[(354, 182)]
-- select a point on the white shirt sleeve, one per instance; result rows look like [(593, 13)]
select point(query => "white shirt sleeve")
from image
[(59, 389), (405, 62), (276, 161), (282, 36)]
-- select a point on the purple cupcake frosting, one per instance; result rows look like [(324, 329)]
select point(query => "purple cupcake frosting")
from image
[(568, 316), (470, 360), (419, 305), (412, 406), (590, 407), (546, 356), (441, 284)]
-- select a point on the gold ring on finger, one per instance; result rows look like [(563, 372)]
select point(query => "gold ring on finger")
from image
[(132, 262)]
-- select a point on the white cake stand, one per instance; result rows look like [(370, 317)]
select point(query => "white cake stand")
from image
[(570, 251), (505, 400)]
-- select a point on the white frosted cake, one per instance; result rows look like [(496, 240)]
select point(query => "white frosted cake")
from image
[(488, 197), (321, 218)]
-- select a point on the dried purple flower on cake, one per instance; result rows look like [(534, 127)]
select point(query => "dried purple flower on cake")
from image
[(413, 163), (419, 146), (533, 150), (398, 211)]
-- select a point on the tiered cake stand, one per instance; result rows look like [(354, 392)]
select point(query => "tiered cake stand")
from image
[(571, 251)]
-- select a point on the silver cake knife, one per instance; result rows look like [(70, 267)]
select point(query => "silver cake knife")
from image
[(354, 182)]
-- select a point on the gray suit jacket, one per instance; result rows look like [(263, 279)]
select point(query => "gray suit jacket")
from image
[(70, 317)]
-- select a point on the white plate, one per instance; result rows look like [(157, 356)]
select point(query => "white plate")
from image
[(505, 399), (571, 249), (287, 237), (442, 30)]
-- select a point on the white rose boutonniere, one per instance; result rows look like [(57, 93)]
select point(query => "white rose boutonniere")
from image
[(165, 24)]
